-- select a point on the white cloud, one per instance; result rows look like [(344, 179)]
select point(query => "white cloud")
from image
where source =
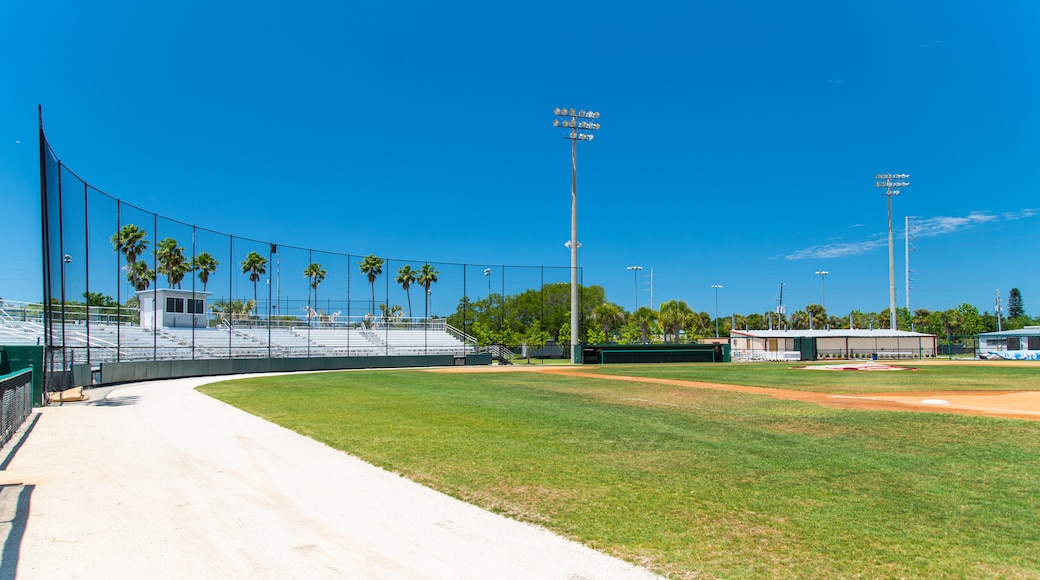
[(842, 250), (1021, 214), (937, 226), (922, 228)]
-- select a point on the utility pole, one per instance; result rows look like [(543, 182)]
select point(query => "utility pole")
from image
[(635, 286), (909, 248), (891, 182), (823, 296), (651, 288), (997, 309), (579, 131)]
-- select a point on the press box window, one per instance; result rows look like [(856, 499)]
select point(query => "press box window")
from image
[(174, 304), (195, 307)]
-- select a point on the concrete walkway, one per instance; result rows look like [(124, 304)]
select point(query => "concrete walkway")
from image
[(155, 480)]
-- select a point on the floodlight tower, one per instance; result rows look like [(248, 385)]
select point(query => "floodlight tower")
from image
[(578, 130), (487, 274), (716, 288), (892, 182), (635, 285), (823, 288)]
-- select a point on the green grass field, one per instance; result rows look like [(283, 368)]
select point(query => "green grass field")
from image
[(699, 482)]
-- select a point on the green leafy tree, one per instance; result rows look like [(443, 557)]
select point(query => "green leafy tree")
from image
[(427, 277), (131, 241), (944, 322), (701, 324), (534, 338), (139, 275), (391, 314), (171, 261), (675, 315), (1015, 308), (607, 315), (756, 321), (818, 315), (314, 274), (799, 320), (254, 266), (229, 311), (406, 277), (644, 318), (920, 319), (630, 333), (205, 264), (372, 267), (971, 322), (99, 299), (563, 338), (903, 318), (595, 335)]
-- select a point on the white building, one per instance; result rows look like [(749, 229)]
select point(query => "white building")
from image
[(177, 308), (842, 343), (1022, 344)]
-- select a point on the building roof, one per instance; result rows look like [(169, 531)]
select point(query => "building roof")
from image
[(833, 333), (175, 292), (1027, 331)]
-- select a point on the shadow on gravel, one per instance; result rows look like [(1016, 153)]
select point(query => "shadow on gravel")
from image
[(14, 514), (12, 446), (116, 402)]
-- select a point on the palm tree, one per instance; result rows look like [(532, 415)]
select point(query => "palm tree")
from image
[(206, 265), (372, 267), (255, 265), (139, 275), (315, 273), (390, 313), (426, 278), (231, 310), (171, 261), (131, 241), (406, 277), (607, 314), (675, 315), (644, 317)]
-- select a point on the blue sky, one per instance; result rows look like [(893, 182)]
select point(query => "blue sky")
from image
[(739, 140)]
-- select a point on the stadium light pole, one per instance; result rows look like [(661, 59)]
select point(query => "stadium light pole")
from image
[(892, 183), (716, 287), (487, 274), (578, 131), (635, 285)]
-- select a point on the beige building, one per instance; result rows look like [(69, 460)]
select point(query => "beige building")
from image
[(798, 345)]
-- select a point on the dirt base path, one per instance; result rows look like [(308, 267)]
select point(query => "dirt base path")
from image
[(1011, 404)]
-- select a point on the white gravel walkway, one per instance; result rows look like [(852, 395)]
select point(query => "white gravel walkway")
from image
[(156, 480)]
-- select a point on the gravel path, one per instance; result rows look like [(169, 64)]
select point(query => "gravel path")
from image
[(155, 480)]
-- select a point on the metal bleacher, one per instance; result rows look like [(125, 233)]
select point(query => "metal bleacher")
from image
[(98, 342)]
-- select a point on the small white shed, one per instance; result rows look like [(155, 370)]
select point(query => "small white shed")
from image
[(176, 308)]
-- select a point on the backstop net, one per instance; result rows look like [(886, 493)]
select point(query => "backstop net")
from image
[(122, 283)]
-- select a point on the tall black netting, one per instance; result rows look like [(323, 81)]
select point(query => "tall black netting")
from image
[(124, 284)]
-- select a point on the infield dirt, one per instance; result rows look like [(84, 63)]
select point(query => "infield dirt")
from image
[(1010, 404)]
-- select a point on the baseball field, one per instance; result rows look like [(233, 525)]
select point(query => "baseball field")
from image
[(694, 471)]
